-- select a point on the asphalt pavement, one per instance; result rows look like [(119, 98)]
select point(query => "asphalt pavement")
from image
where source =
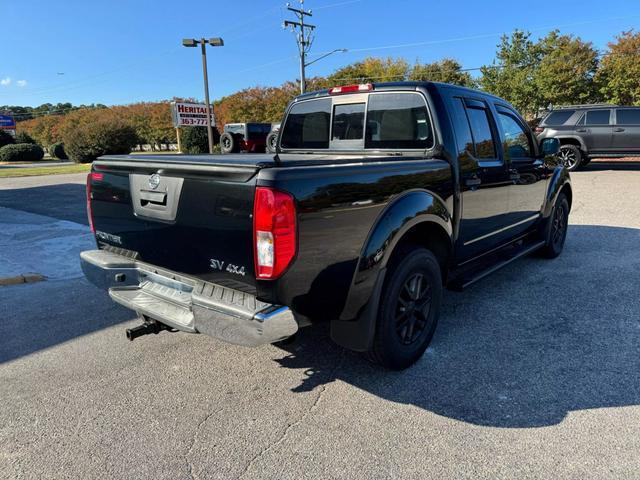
[(533, 373)]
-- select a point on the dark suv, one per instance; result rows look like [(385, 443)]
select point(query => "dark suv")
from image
[(586, 131), (244, 137)]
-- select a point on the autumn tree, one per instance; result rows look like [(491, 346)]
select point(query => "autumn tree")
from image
[(619, 72), (446, 70), (371, 69)]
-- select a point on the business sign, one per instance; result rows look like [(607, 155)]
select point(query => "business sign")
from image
[(190, 114), (7, 122)]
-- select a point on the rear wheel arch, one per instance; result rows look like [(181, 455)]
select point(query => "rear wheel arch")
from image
[(566, 190), (417, 218), (573, 141), (430, 235)]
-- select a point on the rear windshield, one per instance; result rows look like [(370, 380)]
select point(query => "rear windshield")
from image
[(386, 121), (559, 117)]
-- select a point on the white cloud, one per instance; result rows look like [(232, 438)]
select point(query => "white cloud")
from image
[(21, 83), (5, 81)]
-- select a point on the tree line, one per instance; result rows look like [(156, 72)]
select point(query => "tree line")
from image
[(532, 74)]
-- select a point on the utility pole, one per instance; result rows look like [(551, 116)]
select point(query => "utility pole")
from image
[(214, 42), (303, 38)]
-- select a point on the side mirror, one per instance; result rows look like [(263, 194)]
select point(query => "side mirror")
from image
[(549, 146)]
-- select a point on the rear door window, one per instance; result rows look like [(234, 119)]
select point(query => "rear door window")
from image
[(597, 117), (307, 125), (398, 121), (478, 115), (628, 116), (559, 117)]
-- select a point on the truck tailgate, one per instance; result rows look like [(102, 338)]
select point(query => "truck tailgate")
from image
[(189, 214)]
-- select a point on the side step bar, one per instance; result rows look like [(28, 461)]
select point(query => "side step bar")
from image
[(459, 284)]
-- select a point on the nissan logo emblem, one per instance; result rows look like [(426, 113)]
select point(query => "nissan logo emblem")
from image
[(154, 181)]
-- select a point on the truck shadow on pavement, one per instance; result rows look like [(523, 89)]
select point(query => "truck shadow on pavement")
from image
[(66, 201), (52, 313), (523, 348)]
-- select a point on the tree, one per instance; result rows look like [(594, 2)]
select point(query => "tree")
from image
[(446, 70), (619, 72), (512, 75), (24, 137), (44, 129), (6, 138), (371, 70), (196, 140), (87, 141), (566, 71)]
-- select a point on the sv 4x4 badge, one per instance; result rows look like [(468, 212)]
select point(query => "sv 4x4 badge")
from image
[(219, 265)]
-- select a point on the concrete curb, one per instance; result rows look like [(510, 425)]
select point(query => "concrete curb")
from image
[(24, 278)]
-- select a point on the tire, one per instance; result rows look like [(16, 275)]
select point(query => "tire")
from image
[(272, 140), (409, 310), (228, 143), (570, 156), (555, 232)]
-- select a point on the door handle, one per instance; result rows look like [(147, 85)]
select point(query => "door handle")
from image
[(581, 130), (472, 182), (619, 129)]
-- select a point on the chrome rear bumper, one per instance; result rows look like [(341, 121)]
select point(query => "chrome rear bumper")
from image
[(186, 303)]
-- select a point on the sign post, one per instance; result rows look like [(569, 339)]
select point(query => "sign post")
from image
[(178, 139)]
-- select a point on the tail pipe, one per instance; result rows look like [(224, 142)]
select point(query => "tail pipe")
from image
[(148, 327)]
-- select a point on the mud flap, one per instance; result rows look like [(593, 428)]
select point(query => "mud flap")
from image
[(357, 335)]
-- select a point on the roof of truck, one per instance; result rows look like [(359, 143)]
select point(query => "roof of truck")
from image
[(404, 85)]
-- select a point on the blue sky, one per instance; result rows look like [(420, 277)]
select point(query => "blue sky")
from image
[(118, 51)]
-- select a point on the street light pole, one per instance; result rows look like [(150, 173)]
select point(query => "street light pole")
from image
[(203, 45), (214, 42)]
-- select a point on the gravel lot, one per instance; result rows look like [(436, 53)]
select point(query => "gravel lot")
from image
[(534, 372)]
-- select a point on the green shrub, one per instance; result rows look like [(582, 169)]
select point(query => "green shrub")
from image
[(195, 140), (21, 152), (106, 137), (56, 150), (24, 137), (6, 138)]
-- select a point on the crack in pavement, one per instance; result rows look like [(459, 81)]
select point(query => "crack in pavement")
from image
[(292, 425), (194, 439)]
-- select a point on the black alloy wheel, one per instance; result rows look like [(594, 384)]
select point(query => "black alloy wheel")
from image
[(558, 225), (409, 308), (414, 304), (556, 229)]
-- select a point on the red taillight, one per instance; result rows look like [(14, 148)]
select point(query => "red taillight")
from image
[(363, 87), (538, 129), (274, 232), (93, 176)]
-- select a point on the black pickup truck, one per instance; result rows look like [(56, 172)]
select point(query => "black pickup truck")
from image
[(378, 197)]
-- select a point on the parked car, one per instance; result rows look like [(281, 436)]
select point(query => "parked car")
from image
[(587, 131), (380, 196), (272, 138), (244, 137)]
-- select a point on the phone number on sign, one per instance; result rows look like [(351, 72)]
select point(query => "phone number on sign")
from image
[(193, 121)]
